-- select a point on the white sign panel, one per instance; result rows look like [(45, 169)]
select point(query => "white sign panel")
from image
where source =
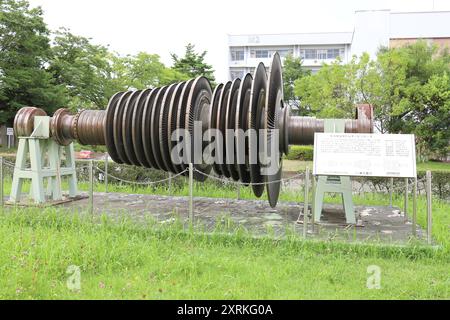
[(361, 154), (9, 131)]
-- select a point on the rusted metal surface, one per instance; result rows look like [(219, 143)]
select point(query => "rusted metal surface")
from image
[(137, 126), (86, 127), (24, 120)]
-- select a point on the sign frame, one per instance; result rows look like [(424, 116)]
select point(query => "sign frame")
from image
[(394, 150)]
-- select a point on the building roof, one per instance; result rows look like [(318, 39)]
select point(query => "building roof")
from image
[(315, 38)]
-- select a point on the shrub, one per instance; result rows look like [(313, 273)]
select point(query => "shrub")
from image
[(304, 153)]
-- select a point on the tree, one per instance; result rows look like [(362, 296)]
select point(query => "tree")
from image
[(145, 70), (418, 99), (292, 70), (193, 64), (334, 90), (25, 51), (409, 88), (84, 69)]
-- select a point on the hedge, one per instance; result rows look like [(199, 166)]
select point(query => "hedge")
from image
[(304, 153)]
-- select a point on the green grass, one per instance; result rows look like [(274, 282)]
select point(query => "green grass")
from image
[(123, 260), (127, 261), (441, 208), (434, 166), (297, 165)]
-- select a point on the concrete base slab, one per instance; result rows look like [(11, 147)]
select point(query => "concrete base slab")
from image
[(375, 223)]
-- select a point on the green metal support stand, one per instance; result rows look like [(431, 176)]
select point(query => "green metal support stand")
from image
[(335, 184), (46, 159)]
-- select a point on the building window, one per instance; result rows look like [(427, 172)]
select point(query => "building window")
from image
[(333, 53), (234, 74), (321, 54), (285, 52), (259, 54), (237, 55), (308, 54)]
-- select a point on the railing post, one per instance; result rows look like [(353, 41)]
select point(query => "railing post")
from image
[(91, 186), (405, 204), (1, 182), (414, 215), (429, 211), (313, 194), (391, 188), (170, 183), (191, 193), (306, 204), (106, 172), (238, 191)]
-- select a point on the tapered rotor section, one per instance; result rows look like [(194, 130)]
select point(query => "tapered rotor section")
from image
[(274, 108), (197, 116), (242, 114), (255, 121)]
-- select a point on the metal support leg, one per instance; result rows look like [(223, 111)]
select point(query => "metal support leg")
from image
[(337, 184), (70, 163), (37, 180)]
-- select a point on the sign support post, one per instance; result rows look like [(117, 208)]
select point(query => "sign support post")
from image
[(339, 156), (334, 183)]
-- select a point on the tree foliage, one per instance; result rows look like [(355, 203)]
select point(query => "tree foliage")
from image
[(292, 71), (193, 64), (24, 53), (408, 86), (84, 69), (144, 70), (333, 91), (420, 100)]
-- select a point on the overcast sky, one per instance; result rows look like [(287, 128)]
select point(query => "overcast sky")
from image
[(164, 26)]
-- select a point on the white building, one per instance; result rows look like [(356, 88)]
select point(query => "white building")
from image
[(373, 29)]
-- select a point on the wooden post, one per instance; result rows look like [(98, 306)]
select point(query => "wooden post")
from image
[(191, 193), (305, 206), (414, 215), (91, 186), (429, 211), (391, 188), (106, 173)]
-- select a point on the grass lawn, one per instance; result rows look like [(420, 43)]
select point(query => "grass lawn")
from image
[(127, 261), (434, 166), (298, 165)]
